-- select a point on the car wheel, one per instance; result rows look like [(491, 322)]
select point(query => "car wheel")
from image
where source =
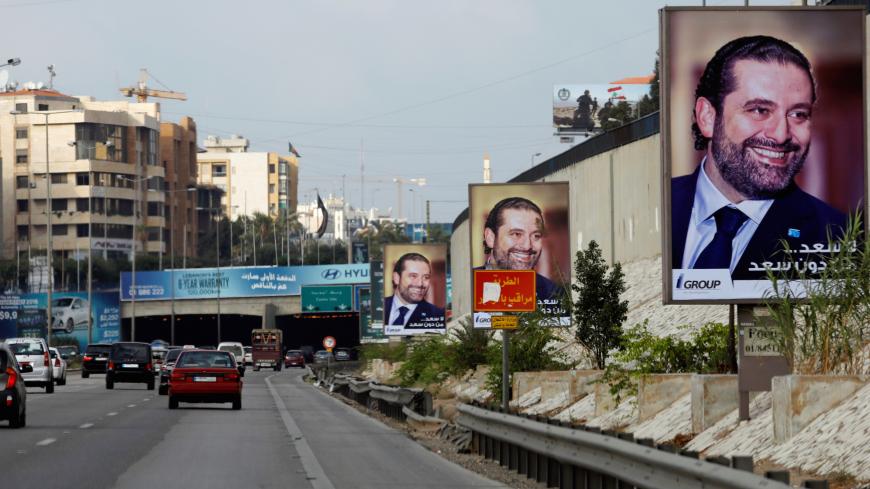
[(151, 385), (110, 384), (70, 325), (18, 420), (49, 387), (85, 374), (62, 380), (237, 403), (173, 402)]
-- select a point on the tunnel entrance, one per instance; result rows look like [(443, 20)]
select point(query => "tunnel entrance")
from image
[(309, 329), (193, 329)]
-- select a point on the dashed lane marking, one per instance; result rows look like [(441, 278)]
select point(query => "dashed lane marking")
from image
[(86, 426), (113, 413), (47, 441), (131, 405)]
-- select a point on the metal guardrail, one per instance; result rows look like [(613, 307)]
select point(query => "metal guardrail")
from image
[(391, 401), (564, 456)]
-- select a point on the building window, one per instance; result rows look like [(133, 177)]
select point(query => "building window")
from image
[(20, 133), (59, 229), (83, 179), (153, 234), (282, 168), (271, 188), (21, 181), (219, 170), (23, 205), (154, 208), (58, 178), (100, 142), (125, 207), (156, 183), (271, 168), (21, 107), (43, 107), (22, 233), (58, 204), (82, 230), (82, 205), (21, 156)]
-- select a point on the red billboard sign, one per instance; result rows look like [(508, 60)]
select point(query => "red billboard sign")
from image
[(504, 290)]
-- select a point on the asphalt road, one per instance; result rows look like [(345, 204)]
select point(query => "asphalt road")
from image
[(287, 435)]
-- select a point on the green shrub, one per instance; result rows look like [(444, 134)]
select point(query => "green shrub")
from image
[(427, 362), (391, 352), (468, 348), (705, 352)]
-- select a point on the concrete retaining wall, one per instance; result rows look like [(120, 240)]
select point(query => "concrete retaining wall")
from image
[(799, 399), (576, 383), (713, 397), (657, 392)]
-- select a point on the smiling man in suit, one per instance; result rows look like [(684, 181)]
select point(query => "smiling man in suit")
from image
[(753, 119), (407, 307)]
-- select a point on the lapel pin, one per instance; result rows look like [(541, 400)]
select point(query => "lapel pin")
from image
[(794, 233)]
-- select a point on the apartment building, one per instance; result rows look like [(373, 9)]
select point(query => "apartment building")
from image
[(263, 182), (178, 153), (107, 173)]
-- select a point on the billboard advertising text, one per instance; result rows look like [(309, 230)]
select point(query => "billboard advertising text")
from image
[(202, 283), (415, 289), (524, 226), (25, 314), (763, 145)]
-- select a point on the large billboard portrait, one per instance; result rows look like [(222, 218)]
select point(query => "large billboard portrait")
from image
[(523, 226), (763, 145), (415, 289)]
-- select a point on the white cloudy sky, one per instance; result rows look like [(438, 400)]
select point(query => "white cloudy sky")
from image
[(426, 87)]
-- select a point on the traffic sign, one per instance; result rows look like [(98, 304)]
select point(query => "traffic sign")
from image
[(504, 322), (329, 342), (504, 291), (327, 298)]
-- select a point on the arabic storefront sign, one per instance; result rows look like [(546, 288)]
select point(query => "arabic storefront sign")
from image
[(504, 322), (206, 283), (504, 291), (327, 298)]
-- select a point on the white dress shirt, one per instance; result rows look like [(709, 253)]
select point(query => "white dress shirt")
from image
[(702, 223), (394, 311)]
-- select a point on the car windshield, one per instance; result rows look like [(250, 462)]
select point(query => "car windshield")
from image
[(98, 349), (136, 353), (205, 359), (172, 355), (28, 348), (294, 353), (64, 302)]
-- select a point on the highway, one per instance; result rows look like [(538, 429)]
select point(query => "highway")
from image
[(287, 435)]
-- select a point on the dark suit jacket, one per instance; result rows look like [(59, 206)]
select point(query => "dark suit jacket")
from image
[(793, 209), (425, 315)]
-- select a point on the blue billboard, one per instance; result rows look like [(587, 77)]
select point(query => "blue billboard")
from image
[(204, 283), (25, 315)]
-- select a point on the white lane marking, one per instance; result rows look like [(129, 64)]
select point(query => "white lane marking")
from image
[(113, 413), (146, 399), (86, 426), (131, 405), (312, 467), (47, 441)]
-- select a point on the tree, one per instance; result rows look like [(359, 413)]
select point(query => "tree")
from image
[(650, 103), (598, 310)]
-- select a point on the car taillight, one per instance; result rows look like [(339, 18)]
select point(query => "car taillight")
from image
[(232, 376), (57, 362), (13, 376), (176, 376), (148, 366), (87, 358), (111, 365), (45, 359)]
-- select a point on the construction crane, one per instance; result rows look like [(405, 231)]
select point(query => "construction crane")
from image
[(142, 92)]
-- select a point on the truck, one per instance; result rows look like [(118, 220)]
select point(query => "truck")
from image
[(266, 348)]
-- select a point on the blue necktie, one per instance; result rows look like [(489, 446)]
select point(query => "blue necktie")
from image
[(717, 254), (400, 320)]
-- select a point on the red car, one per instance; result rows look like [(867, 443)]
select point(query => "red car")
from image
[(205, 376), (294, 358)]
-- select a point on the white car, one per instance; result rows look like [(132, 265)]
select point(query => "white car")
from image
[(34, 352), (58, 367), (69, 312), (237, 350), (249, 355)]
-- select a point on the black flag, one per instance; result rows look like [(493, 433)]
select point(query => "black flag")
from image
[(322, 209)]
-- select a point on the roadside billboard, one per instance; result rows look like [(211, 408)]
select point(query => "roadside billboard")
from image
[(204, 283), (523, 226), (763, 143), (367, 332), (584, 107), (415, 289), (25, 315)]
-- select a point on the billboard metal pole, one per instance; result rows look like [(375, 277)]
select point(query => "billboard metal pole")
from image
[(505, 368)]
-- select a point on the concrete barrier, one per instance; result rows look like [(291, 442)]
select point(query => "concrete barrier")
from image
[(799, 399), (655, 392), (577, 383), (713, 397)]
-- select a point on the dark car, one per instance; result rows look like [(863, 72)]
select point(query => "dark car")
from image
[(14, 395), (166, 370), (294, 358), (130, 362), (71, 351), (342, 354), (96, 359)]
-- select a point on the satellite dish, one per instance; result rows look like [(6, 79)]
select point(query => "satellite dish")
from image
[(4, 79)]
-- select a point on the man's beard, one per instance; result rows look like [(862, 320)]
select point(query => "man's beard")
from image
[(407, 296), (504, 261), (748, 176)]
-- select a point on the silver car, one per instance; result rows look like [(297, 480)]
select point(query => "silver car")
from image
[(58, 364), (34, 352)]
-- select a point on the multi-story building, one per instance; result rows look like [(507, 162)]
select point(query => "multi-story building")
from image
[(178, 153), (107, 175), (252, 181)]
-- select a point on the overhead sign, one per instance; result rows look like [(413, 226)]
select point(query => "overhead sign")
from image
[(327, 298), (204, 283), (504, 291), (504, 322)]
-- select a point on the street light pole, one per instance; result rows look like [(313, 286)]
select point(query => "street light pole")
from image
[(50, 248), (533, 159), (218, 261)]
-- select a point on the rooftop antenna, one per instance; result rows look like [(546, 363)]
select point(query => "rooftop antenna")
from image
[(51, 75)]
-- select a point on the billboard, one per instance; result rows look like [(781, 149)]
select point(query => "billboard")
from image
[(25, 315), (524, 226), (415, 289), (205, 283), (585, 107), (368, 332), (763, 143), (327, 298)]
